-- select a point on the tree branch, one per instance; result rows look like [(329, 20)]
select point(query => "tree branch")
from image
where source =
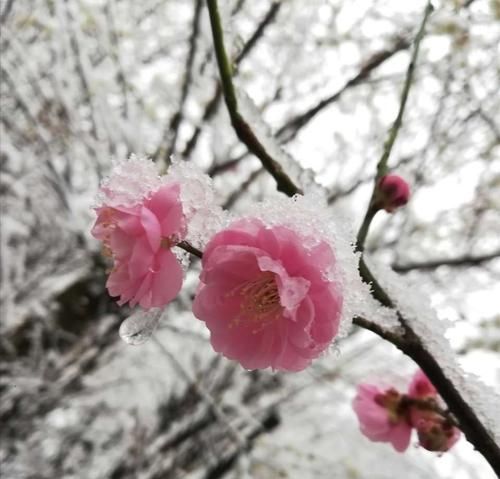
[(240, 125), (290, 129), (172, 129), (461, 261), (190, 249)]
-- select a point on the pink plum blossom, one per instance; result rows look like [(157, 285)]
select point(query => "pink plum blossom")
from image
[(380, 418), (139, 239), (420, 386), (389, 416), (392, 192), (265, 297)]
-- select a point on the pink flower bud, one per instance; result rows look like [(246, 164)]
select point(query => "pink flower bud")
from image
[(435, 432), (392, 192)]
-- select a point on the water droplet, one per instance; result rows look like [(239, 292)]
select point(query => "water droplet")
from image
[(138, 328)]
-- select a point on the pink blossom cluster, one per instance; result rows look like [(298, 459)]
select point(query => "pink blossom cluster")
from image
[(386, 415), (269, 292), (267, 298)]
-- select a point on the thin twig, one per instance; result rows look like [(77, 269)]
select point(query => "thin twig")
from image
[(240, 125), (394, 130), (204, 394), (461, 261), (172, 129), (190, 249), (115, 55), (290, 129)]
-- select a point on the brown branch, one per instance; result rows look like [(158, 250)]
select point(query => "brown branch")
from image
[(291, 128), (382, 167), (461, 261), (190, 249)]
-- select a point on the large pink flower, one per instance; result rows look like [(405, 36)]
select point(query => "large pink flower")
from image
[(266, 298), (379, 417), (139, 239)]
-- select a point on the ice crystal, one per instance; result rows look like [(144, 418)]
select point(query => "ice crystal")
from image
[(130, 181), (204, 216)]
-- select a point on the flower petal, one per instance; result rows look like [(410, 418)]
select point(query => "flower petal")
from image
[(167, 279), (151, 227)]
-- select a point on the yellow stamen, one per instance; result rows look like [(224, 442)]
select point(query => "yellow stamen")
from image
[(260, 302)]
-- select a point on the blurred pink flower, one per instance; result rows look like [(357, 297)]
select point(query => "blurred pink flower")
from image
[(265, 297), (420, 386), (139, 239), (380, 417), (392, 192), (435, 432)]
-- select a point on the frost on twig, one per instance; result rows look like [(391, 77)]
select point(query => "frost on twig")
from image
[(200, 204), (262, 131)]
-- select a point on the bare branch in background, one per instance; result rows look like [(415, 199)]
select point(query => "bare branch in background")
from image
[(289, 130), (172, 129), (461, 261)]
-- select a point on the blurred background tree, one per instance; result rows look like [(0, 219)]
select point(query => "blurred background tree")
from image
[(87, 81)]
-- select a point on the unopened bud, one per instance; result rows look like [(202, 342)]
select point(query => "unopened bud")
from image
[(435, 433), (392, 192)]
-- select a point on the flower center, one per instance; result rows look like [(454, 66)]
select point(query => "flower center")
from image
[(261, 296), (260, 301), (108, 225), (391, 401)]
